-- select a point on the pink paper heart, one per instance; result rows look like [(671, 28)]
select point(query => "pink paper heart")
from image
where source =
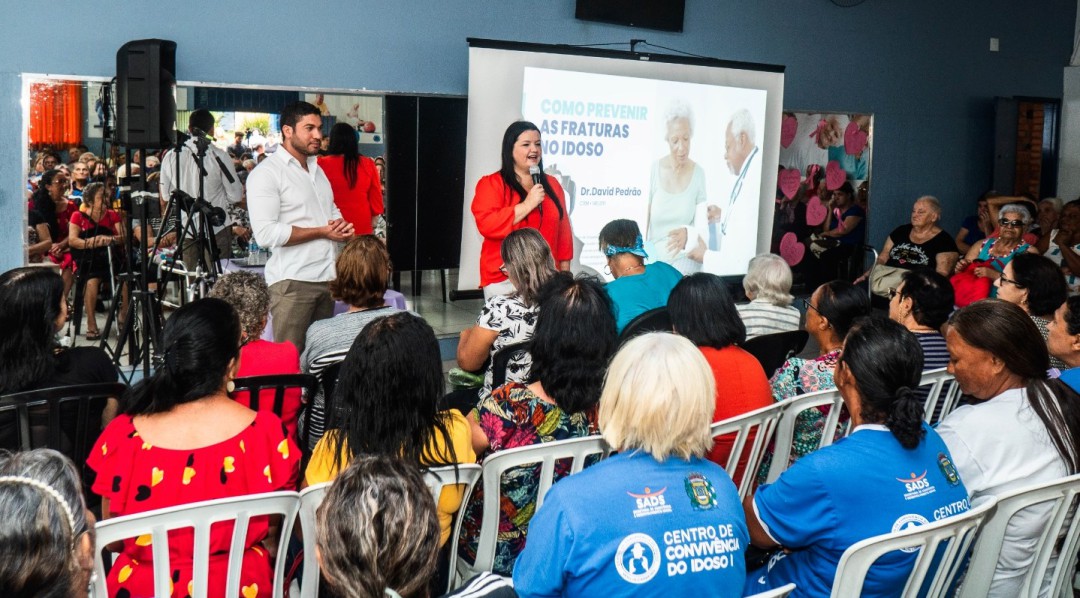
[(834, 175), (788, 127), (854, 139), (815, 211), (788, 180), (791, 249)]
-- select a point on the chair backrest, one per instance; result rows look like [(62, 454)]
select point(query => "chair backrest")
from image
[(578, 450), (655, 320), (1055, 553), (279, 383), (200, 516), (941, 547), (467, 475), (85, 401), (329, 377), (753, 432), (310, 499), (781, 592), (942, 391), (501, 360), (785, 429), (771, 350)]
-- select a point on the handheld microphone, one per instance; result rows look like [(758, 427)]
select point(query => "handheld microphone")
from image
[(534, 170)]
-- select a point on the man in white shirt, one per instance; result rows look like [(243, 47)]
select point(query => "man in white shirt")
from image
[(221, 188), (292, 211)]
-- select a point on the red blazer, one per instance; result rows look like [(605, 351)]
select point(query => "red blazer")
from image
[(364, 200), (493, 209)]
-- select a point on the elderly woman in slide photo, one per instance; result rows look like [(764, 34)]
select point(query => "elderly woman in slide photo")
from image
[(676, 186)]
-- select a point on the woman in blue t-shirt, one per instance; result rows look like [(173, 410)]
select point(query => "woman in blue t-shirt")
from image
[(637, 288), (892, 461)]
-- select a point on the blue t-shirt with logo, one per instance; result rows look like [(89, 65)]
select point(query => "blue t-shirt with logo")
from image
[(634, 295), (632, 526), (864, 485)]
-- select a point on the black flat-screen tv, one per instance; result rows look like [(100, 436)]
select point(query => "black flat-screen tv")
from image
[(664, 15)]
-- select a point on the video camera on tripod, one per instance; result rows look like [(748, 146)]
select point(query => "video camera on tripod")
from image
[(214, 215)]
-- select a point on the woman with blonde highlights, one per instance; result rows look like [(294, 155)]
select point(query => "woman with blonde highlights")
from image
[(655, 412)]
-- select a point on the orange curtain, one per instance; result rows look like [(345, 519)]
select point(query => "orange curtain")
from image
[(56, 114)]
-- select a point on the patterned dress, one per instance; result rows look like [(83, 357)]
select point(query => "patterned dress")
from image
[(136, 476), (514, 321), (798, 377), (514, 416)]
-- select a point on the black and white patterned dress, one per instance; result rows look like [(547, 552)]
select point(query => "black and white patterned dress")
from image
[(514, 321)]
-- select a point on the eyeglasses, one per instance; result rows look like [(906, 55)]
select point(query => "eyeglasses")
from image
[(502, 268), (1010, 223), (1005, 280), (806, 303)]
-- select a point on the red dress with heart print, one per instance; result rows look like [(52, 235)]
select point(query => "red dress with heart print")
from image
[(136, 477)]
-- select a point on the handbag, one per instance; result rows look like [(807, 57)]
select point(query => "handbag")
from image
[(969, 288), (884, 278)]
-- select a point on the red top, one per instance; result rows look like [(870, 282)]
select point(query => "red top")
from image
[(136, 477), (265, 358), (108, 220), (493, 209), (741, 386), (363, 200)]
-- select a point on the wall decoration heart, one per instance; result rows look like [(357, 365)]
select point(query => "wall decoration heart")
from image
[(788, 180), (854, 139), (834, 175), (815, 211), (788, 127), (791, 249)]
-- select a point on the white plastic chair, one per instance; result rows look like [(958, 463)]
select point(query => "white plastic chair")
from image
[(200, 516), (949, 538), (785, 429), (760, 422), (781, 592), (943, 389), (436, 479), (578, 450), (1055, 553)]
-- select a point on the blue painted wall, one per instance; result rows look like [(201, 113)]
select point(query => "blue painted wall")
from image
[(921, 66)]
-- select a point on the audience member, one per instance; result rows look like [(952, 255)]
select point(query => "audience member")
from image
[(47, 544), (49, 214), (385, 403), (573, 340), (998, 251), (844, 232), (600, 532), (1065, 248), (817, 509), (1063, 342), (922, 304), (356, 185), (182, 440), (92, 233), (80, 178), (509, 319), (768, 287), (378, 534), (363, 273), (703, 312), (1037, 286), (921, 244), (637, 288), (1023, 430), (246, 292), (830, 312), (1048, 213)]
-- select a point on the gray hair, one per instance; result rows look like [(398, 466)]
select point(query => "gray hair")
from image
[(1016, 208), (248, 294), (37, 556), (377, 529), (528, 261), (742, 122), (676, 110), (931, 201), (1054, 201), (768, 277)]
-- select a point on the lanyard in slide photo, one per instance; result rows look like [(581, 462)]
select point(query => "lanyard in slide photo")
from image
[(735, 190)]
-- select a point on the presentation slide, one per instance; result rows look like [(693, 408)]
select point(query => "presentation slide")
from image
[(675, 157), (687, 150)]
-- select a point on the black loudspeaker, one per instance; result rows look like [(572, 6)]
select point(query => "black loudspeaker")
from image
[(146, 94)]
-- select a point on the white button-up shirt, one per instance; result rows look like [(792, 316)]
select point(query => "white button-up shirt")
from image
[(217, 189), (281, 195)]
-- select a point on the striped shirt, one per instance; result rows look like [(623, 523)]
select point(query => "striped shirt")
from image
[(935, 357), (762, 317)]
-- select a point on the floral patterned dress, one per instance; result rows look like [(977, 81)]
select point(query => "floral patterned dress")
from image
[(136, 476), (514, 416), (798, 377)]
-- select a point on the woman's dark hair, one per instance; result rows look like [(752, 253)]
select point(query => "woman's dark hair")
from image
[(620, 233), (199, 341), (343, 143), (702, 310), (847, 188), (43, 203), (886, 362), (573, 340), (1006, 332), (931, 295), (1072, 314), (509, 176), (1044, 281), (385, 401), (841, 303), (29, 307)]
